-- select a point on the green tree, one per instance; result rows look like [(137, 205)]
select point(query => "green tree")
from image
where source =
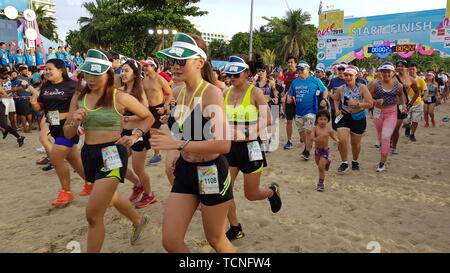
[(269, 57), (47, 24), (240, 43), (293, 36), (219, 50), (122, 26)]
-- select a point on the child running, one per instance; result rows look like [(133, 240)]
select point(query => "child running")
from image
[(320, 135)]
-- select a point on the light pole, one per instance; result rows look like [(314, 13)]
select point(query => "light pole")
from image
[(251, 31), (163, 33)]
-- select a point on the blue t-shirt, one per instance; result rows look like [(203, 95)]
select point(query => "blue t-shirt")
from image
[(25, 95), (19, 59), (4, 57), (40, 58), (306, 93), (61, 56), (78, 60), (51, 56), (30, 59)]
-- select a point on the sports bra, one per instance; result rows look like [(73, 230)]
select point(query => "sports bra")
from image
[(432, 90), (353, 94), (244, 114), (101, 119), (389, 96), (266, 89), (190, 128)]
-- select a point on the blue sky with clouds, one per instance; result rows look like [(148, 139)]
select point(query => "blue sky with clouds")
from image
[(233, 16)]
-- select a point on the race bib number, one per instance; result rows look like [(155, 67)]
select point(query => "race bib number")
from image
[(376, 113), (208, 179), (254, 151), (111, 158), (54, 117)]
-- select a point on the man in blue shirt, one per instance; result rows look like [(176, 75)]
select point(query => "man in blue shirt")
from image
[(306, 90), (60, 54), (51, 54), (4, 55), (40, 55), (30, 58), (19, 58)]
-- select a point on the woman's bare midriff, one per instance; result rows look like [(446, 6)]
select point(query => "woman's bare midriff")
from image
[(100, 137), (198, 158)]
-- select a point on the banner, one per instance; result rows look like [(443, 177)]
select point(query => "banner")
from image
[(424, 31), (331, 22), (448, 10), (20, 5)]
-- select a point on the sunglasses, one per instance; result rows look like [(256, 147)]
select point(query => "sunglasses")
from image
[(341, 69), (173, 61), (236, 76), (92, 77)]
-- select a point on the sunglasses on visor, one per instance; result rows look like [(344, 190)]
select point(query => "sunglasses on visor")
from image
[(236, 76)]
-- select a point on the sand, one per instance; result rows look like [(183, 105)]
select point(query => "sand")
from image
[(405, 209)]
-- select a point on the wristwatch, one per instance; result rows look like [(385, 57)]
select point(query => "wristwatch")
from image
[(183, 145)]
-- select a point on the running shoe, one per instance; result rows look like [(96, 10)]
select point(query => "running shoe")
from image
[(5, 134), (412, 138), (87, 189), (407, 131), (433, 123), (235, 233), (155, 159), (63, 198), (48, 168), (43, 161), (275, 200), (289, 145), (355, 166), (41, 150), (146, 201), (21, 141), (137, 191), (305, 155), (377, 144), (321, 187), (136, 232), (381, 167), (343, 168), (426, 125), (394, 152)]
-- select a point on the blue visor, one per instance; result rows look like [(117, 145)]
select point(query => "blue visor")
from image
[(303, 66), (236, 66)]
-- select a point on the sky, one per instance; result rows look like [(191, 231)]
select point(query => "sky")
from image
[(233, 16)]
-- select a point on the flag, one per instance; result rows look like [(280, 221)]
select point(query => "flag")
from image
[(320, 7)]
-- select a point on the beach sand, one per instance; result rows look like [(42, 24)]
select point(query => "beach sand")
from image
[(405, 209)]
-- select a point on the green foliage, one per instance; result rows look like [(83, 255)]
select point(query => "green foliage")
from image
[(47, 24), (240, 43), (219, 50), (122, 26)]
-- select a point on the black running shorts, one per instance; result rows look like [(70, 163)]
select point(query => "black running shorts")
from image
[(91, 156), (187, 181)]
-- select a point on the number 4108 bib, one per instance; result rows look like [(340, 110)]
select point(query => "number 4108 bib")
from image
[(208, 179)]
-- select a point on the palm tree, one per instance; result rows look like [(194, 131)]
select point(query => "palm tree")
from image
[(95, 28), (47, 24), (269, 57), (296, 35)]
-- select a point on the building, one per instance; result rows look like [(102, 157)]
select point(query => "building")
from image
[(208, 37), (49, 6)]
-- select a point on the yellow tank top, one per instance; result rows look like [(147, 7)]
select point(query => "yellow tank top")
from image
[(244, 114)]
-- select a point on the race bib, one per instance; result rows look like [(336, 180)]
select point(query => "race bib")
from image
[(208, 180), (254, 151), (376, 113), (430, 99), (111, 158), (54, 117)]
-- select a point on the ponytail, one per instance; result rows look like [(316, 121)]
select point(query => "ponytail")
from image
[(208, 73)]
